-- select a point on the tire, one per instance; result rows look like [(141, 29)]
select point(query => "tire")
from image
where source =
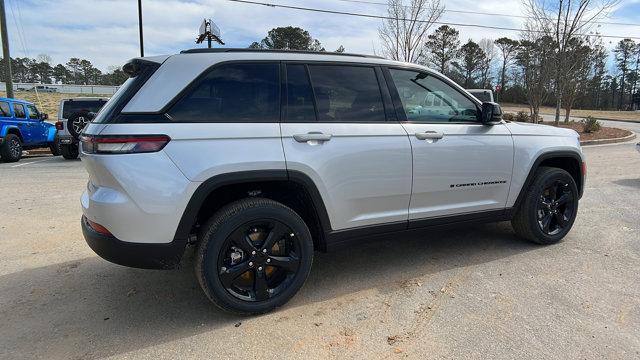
[(11, 149), (55, 147), (545, 215), (77, 122), (69, 152), (223, 233)]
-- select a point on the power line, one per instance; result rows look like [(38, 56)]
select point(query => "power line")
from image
[(381, 17), (484, 13)]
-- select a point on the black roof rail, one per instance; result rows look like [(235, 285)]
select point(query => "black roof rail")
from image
[(225, 50)]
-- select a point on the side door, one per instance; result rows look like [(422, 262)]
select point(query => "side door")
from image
[(460, 166), (39, 130), (25, 126), (338, 132)]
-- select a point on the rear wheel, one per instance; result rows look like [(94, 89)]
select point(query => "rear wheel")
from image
[(549, 209), (11, 149), (55, 147), (254, 255), (69, 152)]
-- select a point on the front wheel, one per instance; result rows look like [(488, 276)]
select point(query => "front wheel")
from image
[(11, 148), (69, 152), (549, 209), (254, 255)]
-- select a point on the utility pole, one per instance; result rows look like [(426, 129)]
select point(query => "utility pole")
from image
[(5, 51), (139, 27)]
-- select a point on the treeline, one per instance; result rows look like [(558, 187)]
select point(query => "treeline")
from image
[(525, 69), (75, 71)]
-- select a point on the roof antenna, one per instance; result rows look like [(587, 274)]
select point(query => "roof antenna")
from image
[(210, 31)]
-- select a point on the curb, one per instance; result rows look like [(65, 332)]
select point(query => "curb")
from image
[(609, 141)]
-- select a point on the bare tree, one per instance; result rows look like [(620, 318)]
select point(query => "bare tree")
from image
[(489, 49), (508, 49), (578, 79), (405, 32), (535, 58), (563, 20)]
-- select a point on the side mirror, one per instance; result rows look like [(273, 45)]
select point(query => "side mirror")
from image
[(44, 116), (491, 113)]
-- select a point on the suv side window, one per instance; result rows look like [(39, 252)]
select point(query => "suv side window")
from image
[(238, 92), (347, 93), (18, 109), (33, 112), (4, 109), (425, 98), (300, 105)]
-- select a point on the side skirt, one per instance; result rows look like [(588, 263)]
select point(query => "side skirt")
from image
[(336, 239)]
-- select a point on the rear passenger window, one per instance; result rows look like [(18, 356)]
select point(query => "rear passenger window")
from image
[(233, 93), (346, 93), (18, 109), (300, 105), (4, 109)]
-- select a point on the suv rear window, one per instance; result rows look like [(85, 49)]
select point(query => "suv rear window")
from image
[(248, 92), (71, 107), (346, 93), (4, 109)]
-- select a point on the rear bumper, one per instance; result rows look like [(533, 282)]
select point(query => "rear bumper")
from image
[(138, 255)]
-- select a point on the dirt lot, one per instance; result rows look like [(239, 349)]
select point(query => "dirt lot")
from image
[(48, 102), (598, 114), (472, 292)]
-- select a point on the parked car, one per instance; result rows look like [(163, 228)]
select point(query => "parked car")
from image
[(257, 158), (23, 127), (482, 94), (73, 115), (42, 88)]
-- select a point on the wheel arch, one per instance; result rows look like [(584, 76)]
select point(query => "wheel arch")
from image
[(570, 161), (12, 130), (292, 188)]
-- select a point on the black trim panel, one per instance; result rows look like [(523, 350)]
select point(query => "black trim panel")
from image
[(138, 255)]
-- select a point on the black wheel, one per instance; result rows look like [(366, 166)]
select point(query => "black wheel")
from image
[(69, 152), (77, 122), (55, 147), (11, 149), (549, 209), (254, 255)]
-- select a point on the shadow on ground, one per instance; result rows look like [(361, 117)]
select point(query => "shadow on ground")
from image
[(92, 308), (634, 183)]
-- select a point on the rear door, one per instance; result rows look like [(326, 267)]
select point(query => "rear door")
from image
[(460, 166), (336, 131)]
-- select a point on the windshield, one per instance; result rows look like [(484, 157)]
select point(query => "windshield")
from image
[(72, 107)]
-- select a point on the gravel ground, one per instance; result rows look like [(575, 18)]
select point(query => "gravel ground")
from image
[(470, 292)]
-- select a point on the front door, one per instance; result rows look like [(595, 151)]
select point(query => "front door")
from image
[(460, 166), (336, 131)]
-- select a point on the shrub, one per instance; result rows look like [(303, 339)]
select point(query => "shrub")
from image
[(508, 116), (590, 124), (522, 116)]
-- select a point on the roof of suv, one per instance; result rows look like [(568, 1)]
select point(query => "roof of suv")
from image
[(179, 70)]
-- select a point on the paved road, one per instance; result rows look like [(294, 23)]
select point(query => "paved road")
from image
[(471, 292), (633, 126)]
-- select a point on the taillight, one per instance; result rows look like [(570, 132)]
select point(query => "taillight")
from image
[(98, 228), (59, 125), (583, 168), (123, 144)]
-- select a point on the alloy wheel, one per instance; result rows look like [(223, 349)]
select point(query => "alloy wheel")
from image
[(555, 207), (259, 260)]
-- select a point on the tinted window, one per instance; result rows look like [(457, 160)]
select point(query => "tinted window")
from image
[(18, 109), (71, 107), (299, 95), (233, 93), (346, 93), (33, 112), (481, 95), (429, 99), (4, 109)]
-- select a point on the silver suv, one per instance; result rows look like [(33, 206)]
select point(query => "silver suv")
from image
[(73, 115), (258, 158)]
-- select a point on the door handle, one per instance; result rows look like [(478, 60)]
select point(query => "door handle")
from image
[(429, 135), (312, 136)]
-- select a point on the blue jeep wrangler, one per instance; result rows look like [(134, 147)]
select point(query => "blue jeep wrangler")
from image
[(23, 127)]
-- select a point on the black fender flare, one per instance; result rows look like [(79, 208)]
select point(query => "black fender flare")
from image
[(189, 216), (546, 156)]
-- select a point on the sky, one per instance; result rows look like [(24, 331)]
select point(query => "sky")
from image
[(106, 31)]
